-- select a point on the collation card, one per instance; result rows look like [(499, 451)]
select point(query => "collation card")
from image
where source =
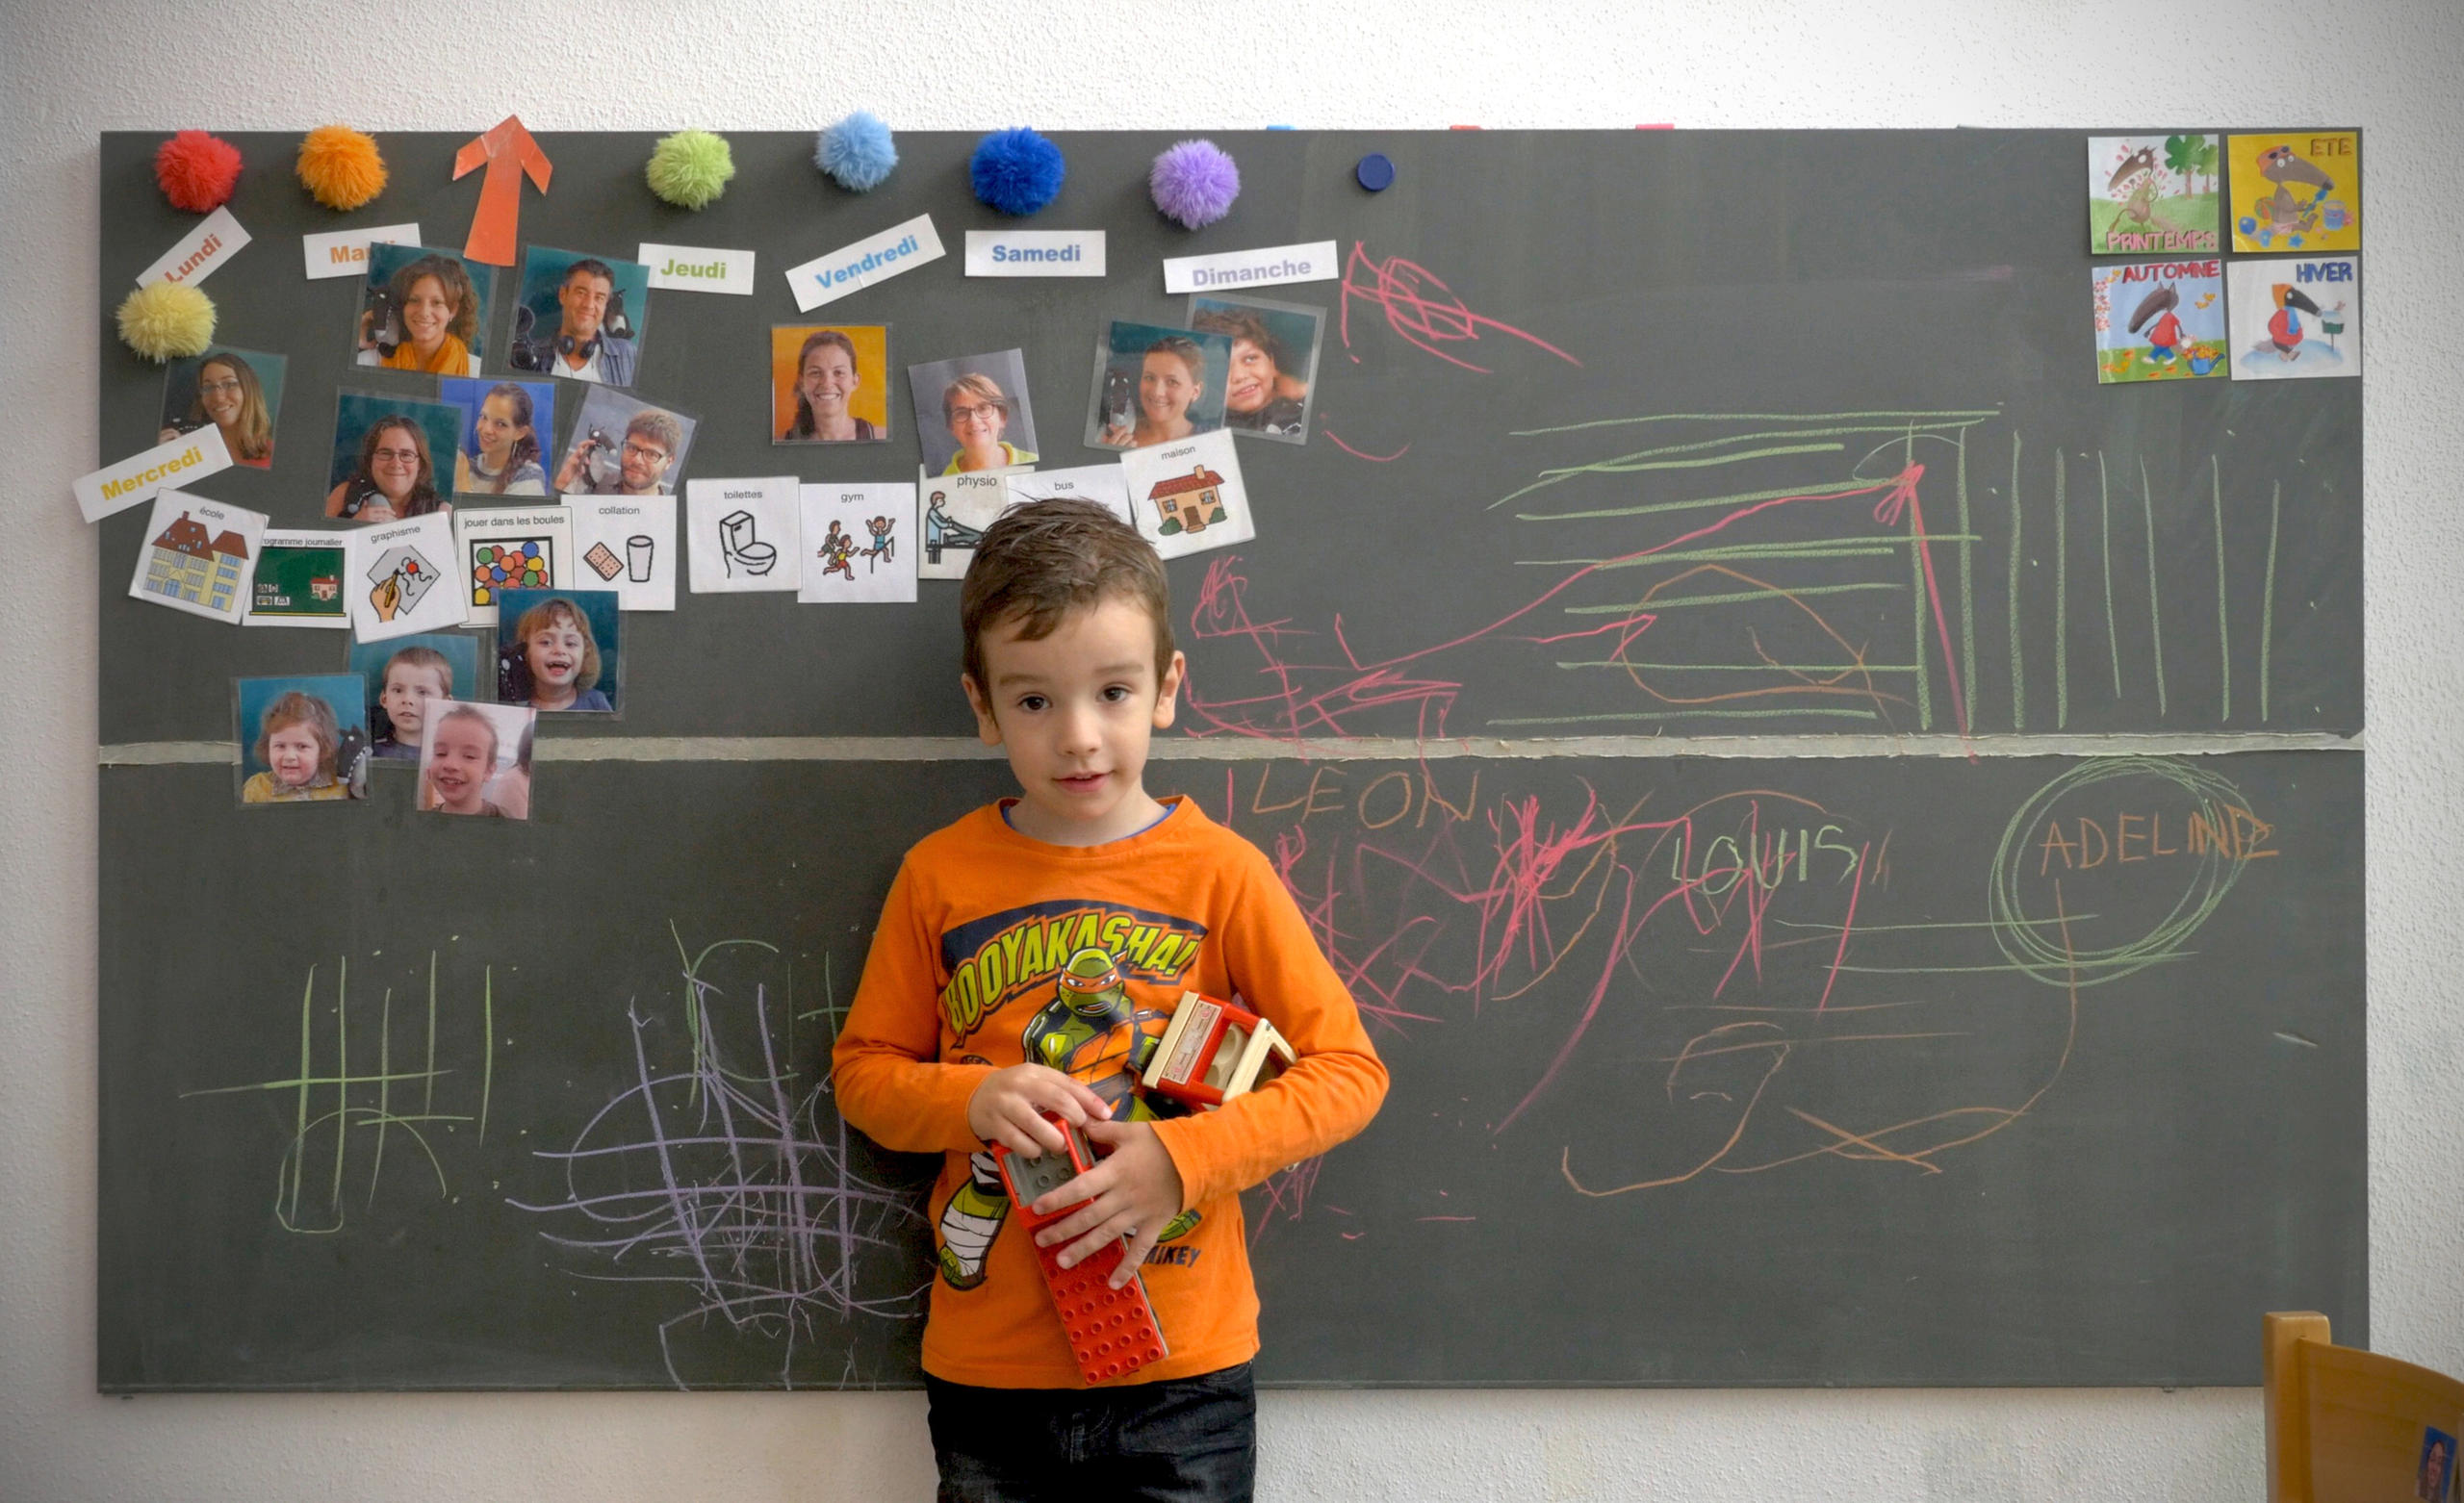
[(627, 543)]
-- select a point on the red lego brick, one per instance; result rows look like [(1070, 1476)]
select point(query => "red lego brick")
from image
[(1112, 1332)]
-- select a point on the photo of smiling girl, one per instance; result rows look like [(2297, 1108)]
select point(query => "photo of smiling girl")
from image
[(467, 746), (423, 310), (507, 429), (1155, 385), (826, 383), (556, 650), (302, 739)]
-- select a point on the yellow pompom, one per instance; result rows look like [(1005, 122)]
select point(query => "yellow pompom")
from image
[(341, 167), (164, 320)]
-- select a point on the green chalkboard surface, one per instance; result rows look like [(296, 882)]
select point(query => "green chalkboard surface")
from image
[(1777, 1069)]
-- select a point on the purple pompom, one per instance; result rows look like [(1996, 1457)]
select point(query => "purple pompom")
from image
[(1194, 183)]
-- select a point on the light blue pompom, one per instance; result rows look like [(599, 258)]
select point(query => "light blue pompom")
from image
[(857, 153)]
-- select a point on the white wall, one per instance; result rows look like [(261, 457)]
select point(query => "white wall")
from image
[(68, 72)]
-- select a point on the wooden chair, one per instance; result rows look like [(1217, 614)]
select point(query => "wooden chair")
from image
[(2345, 1425)]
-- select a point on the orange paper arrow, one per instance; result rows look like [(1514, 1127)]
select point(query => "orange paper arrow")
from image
[(509, 152)]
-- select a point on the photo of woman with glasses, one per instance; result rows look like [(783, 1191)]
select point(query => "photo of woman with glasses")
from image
[(385, 448), (971, 413), (224, 388)]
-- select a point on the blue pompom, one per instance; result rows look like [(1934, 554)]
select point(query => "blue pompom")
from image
[(1016, 172), (857, 153)]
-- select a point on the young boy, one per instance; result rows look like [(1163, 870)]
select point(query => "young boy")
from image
[(1027, 959)]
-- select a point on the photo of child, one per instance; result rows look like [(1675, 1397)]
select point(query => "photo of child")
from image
[(508, 428), (828, 383), (403, 677), (1274, 362), (556, 650), (423, 310), (468, 750), (1155, 385), (238, 390), (302, 739)]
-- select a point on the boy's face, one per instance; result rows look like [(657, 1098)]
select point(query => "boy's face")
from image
[(1074, 711), (294, 753), (408, 687), (461, 755)]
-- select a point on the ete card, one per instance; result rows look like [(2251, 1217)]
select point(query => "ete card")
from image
[(957, 509), (300, 580), (401, 579), (512, 547), (2159, 320), (2148, 194), (746, 534), (627, 543), (1101, 484), (200, 557), (1187, 495), (2295, 318), (2296, 191), (860, 543)]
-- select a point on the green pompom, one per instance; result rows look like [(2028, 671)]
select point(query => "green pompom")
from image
[(690, 168), (165, 320)]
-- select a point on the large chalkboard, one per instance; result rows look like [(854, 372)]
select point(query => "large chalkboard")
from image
[(1854, 1070)]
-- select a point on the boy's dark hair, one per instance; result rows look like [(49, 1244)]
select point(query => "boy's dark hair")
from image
[(1038, 562)]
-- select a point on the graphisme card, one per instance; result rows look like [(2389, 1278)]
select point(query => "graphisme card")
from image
[(627, 543), (511, 548), (300, 580), (957, 509), (2152, 195), (402, 579), (199, 556), (860, 543), (2295, 318), (2296, 191), (2158, 320), (1187, 495), (746, 534)]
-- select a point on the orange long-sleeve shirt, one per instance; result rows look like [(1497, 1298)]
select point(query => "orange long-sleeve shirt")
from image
[(963, 978)]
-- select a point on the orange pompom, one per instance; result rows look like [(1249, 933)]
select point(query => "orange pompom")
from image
[(341, 167), (197, 170)]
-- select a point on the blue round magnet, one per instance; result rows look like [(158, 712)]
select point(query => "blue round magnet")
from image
[(1376, 172)]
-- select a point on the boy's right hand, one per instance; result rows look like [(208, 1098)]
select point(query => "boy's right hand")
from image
[(1008, 1107)]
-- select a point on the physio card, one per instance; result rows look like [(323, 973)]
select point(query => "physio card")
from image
[(860, 543), (1187, 495), (627, 543), (746, 534), (2295, 318), (957, 509), (345, 252), (300, 580), (512, 547), (116, 487), (198, 556), (1102, 484), (401, 579)]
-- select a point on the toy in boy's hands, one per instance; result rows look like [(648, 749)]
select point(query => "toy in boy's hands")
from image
[(1101, 1301), (1212, 1052), (1132, 1197), (1018, 1108)]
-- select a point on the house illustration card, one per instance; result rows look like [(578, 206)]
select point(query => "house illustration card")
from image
[(300, 580), (1188, 494), (511, 548), (860, 543), (401, 579), (956, 511), (2295, 318), (2158, 320), (2151, 194), (198, 556), (746, 535), (627, 543), (2295, 191), (1101, 484)]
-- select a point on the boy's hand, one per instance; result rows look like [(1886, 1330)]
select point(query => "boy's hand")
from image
[(1008, 1109), (1132, 1194)]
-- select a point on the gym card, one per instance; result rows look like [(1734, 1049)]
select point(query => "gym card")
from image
[(2295, 191), (201, 253), (1187, 495), (1232, 270), (475, 759), (558, 651), (1034, 253), (957, 509), (2295, 318), (345, 252), (2153, 193), (860, 543), (400, 579), (117, 487), (511, 548), (627, 543), (300, 580), (198, 557), (693, 269), (746, 534), (1101, 484), (2158, 320), (829, 277)]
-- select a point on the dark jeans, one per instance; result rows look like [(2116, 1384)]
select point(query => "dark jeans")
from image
[(1186, 1440)]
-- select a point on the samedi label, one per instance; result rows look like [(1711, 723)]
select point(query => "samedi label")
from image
[(191, 456), (345, 252), (200, 252), (852, 268), (697, 268), (1034, 253), (1312, 263)]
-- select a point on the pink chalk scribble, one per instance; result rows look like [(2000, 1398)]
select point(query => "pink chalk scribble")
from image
[(1421, 308)]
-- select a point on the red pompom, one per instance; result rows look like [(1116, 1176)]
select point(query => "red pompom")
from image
[(197, 170)]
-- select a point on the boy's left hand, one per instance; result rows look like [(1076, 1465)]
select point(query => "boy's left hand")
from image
[(1132, 1194)]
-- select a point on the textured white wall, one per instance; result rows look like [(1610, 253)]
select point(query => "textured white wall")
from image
[(68, 72)]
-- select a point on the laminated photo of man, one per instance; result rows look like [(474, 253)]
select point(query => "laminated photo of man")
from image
[(636, 465), (582, 345)]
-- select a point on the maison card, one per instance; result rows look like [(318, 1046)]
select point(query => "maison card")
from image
[(1187, 495), (745, 534), (198, 556), (860, 543), (627, 543), (300, 580)]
